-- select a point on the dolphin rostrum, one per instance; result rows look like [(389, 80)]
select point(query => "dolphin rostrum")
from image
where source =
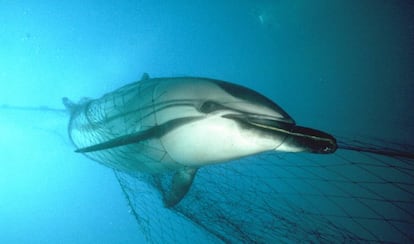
[(181, 124)]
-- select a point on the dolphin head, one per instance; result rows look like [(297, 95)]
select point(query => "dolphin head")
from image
[(231, 121)]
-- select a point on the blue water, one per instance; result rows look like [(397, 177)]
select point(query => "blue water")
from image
[(345, 67)]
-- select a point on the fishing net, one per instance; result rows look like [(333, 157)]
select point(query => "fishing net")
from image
[(348, 196)]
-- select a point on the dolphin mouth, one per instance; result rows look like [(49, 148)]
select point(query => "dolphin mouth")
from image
[(305, 138), (315, 141)]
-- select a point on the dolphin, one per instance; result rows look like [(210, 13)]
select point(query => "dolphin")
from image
[(180, 124)]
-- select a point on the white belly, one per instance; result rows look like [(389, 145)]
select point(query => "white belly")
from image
[(212, 140)]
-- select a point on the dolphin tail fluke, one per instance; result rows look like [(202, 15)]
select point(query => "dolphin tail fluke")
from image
[(181, 183), (69, 105), (74, 107)]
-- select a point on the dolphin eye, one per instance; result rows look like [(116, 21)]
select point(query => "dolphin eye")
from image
[(209, 106)]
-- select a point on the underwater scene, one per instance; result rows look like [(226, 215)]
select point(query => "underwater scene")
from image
[(266, 121)]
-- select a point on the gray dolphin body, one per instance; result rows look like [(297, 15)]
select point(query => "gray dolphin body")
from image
[(181, 124)]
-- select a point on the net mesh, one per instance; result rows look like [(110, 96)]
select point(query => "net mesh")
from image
[(281, 197)]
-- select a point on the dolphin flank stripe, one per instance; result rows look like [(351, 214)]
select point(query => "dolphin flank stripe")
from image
[(154, 132)]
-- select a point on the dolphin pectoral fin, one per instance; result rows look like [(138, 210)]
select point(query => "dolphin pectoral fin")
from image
[(117, 142), (181, 183)]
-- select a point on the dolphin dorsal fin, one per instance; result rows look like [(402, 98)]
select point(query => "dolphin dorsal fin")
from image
[(145, 76)]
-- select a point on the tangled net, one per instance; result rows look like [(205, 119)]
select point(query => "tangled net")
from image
[(284, 197)]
